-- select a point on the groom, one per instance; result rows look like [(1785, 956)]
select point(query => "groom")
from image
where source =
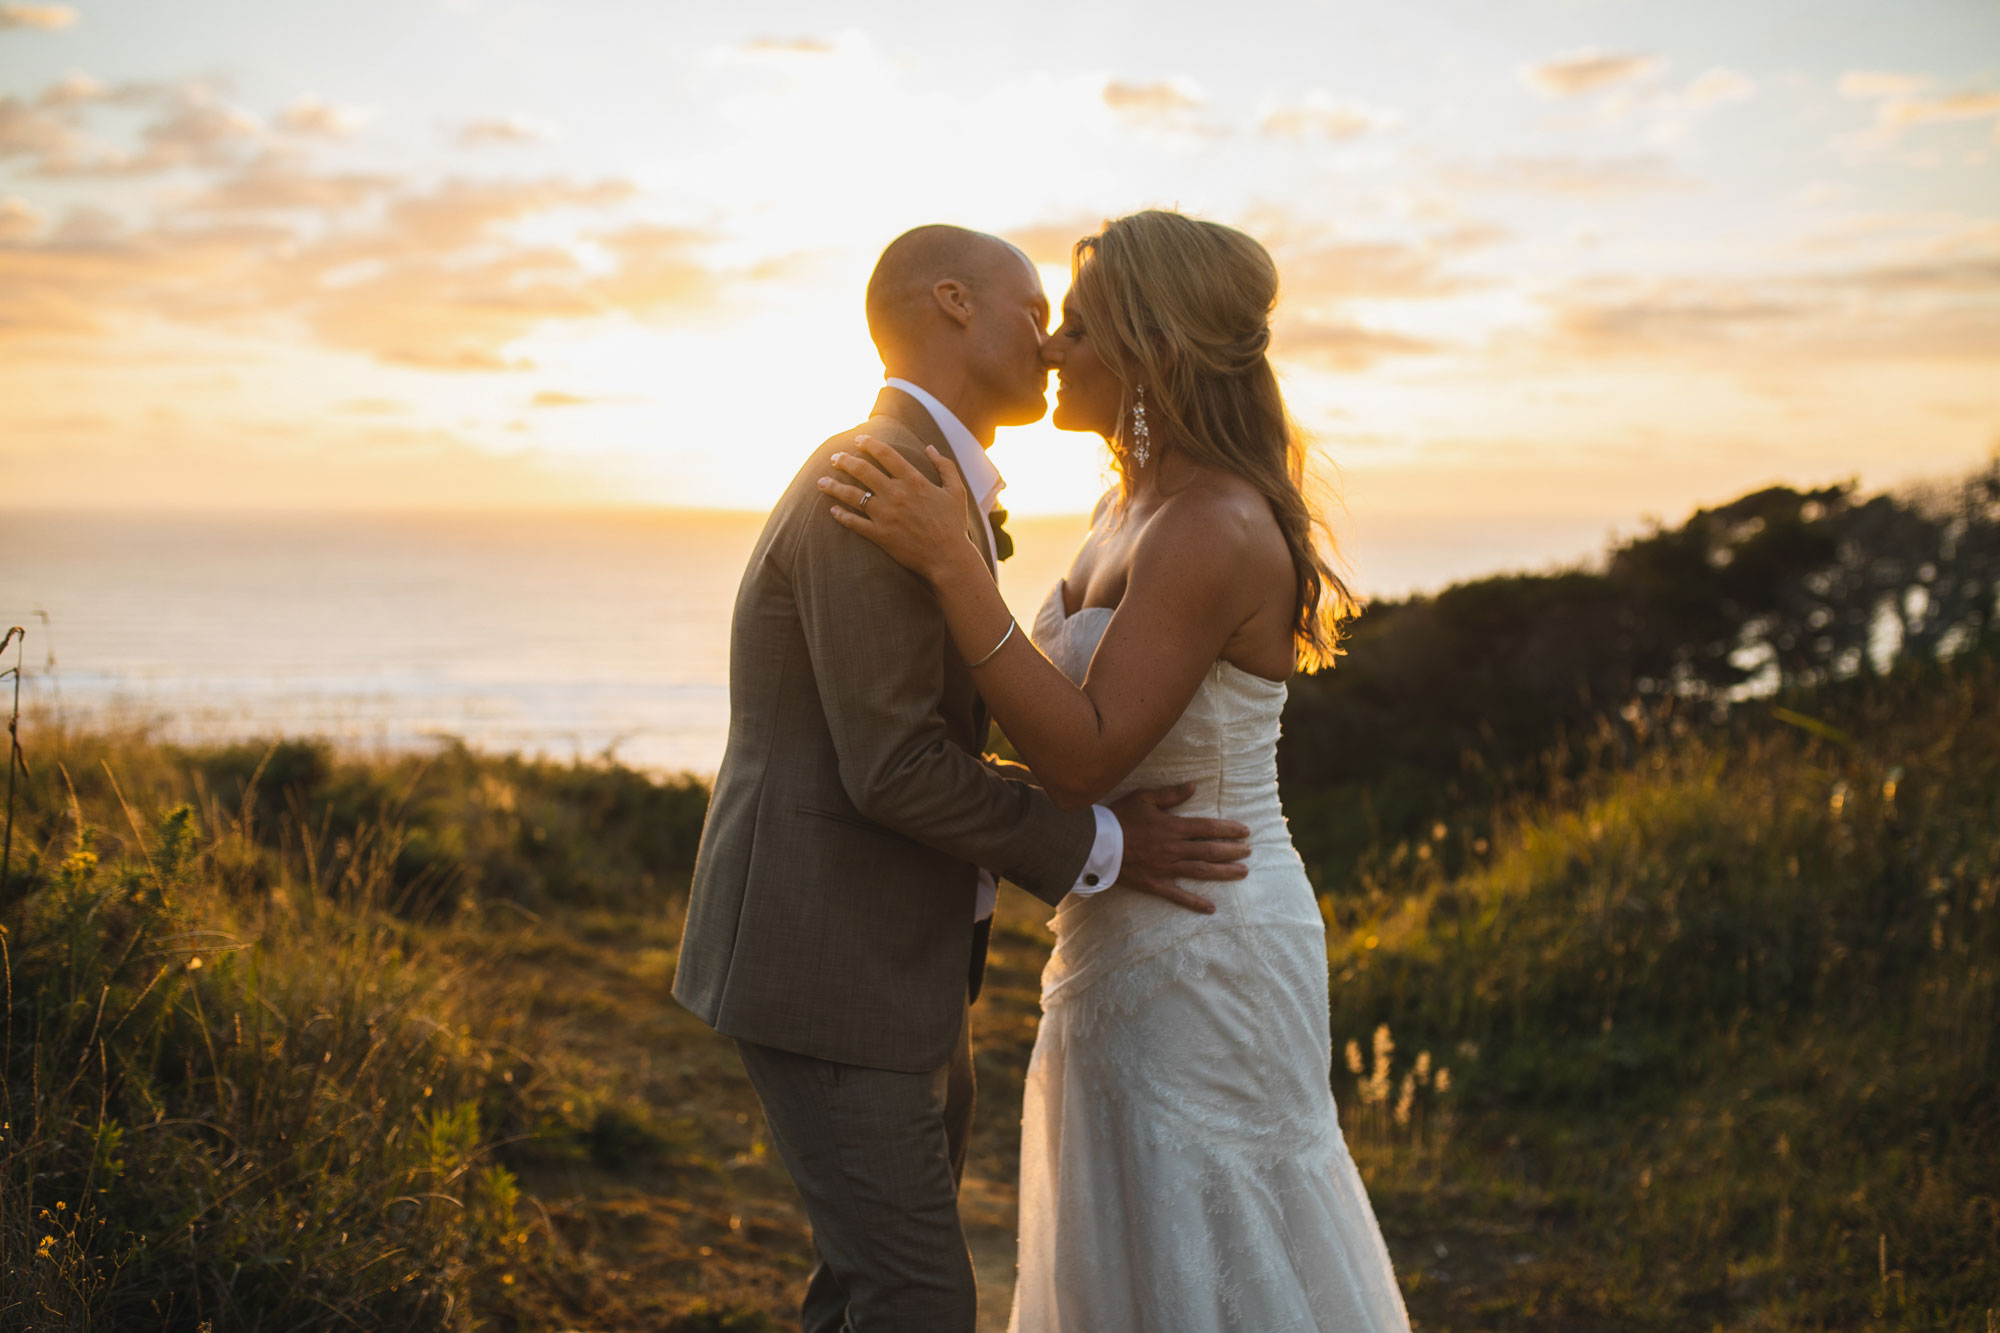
[(843, 891)]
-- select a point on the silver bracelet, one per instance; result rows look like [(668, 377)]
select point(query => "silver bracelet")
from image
[(1011, 622)]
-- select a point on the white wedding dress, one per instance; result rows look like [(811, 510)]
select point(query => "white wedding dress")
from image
[(1182, 1167)]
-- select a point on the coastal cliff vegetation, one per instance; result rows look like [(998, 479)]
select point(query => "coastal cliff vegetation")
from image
[(1664, 933)]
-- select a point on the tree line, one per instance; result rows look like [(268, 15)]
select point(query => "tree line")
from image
[(1443, 703)]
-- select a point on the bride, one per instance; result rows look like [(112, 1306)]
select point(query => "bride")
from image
[(1182, 1167)]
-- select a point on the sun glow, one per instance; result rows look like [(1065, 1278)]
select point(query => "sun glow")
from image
[(529, 258)]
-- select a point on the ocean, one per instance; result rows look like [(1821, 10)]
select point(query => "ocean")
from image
[(573, 634)]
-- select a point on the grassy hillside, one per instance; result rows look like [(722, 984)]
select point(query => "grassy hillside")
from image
[(1722, 1028), (1706, 1039), (286, 1046)]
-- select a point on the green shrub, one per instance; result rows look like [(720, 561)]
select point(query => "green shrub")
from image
[(445, 829)]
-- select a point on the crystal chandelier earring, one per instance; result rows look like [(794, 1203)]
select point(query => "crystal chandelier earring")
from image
[(1142, 440)]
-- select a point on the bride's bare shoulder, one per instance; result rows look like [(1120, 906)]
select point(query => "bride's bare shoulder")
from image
[(1219, 510), (1214, 543)]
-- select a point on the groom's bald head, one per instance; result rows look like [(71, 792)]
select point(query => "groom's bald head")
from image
[(964, 316), (904, 304)]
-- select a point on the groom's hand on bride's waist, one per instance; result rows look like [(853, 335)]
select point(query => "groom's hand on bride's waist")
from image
[(1161, 848)]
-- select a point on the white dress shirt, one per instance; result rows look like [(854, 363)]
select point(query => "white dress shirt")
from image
[(1107, 853)]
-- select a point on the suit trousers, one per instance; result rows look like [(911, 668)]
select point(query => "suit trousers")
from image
[(877, 1156)]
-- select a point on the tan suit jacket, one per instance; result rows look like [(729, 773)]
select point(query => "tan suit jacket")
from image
[(831, 911)]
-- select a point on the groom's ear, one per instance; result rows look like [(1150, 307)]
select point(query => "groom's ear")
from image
[(954, 298)]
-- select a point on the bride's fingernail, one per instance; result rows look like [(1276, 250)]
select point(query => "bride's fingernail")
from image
[(836, 460), (825, 482)]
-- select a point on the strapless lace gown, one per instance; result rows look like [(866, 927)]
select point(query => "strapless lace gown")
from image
[(1182, 1168)]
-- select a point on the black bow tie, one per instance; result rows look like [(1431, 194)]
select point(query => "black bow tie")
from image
[(1003, 545)]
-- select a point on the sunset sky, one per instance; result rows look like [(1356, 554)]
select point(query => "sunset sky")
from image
[(1579, 258)]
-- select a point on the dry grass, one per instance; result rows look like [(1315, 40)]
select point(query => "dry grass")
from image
[(1706, 1042), (298, 1078), (1724, 1031)]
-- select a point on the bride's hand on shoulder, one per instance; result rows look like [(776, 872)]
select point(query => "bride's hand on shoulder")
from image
[(886, 499)]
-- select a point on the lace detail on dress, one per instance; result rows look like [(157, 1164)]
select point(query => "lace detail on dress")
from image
[(1182, 1168)]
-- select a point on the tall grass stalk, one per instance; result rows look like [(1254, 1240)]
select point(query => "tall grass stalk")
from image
[(14, 633)]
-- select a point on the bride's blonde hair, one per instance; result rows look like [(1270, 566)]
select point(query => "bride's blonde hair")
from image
[(1183, 307)]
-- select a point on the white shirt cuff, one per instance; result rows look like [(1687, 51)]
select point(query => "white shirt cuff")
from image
[(1100, 872), (1107, 855)]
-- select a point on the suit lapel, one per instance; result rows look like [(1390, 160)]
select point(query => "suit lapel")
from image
[(896, 404)]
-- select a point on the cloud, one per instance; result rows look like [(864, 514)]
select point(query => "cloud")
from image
[(437, 284), (501, 130), (1318, 115), (45, 17), (80, 89), (281, 182), (189, 126), (312, 117), (794, 46), (1149, 99), (438, 292), (1899, 113), (1899, 104), (1585, 71), (196, 129), (1720, 85), (1316, 272), (1173, 111), (1321, 276), (87, 226), (48, 127), (1588, 177), (1939, 299), (19, 221), (192, 127), (271, 243), (1966, 274), (459, 213), (432, 279), (556, 398), (659, 268), (31, 130), (91, 275), (458, 317), (1342, 345), (797, 55), (1615, 318), (1865, 85)]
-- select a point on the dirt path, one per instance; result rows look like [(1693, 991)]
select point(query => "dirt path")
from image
[(676, 1214)]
